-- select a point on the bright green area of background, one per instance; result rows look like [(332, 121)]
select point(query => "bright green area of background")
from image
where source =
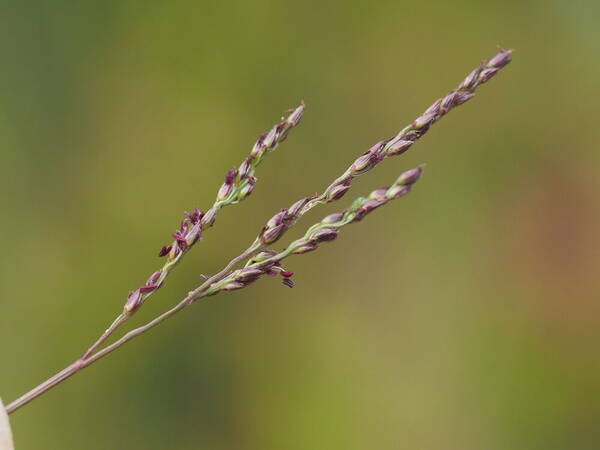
[(465, 316)]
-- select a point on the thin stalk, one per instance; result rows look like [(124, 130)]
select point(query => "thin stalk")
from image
[(89, 357), (121, 318), (81, 363)]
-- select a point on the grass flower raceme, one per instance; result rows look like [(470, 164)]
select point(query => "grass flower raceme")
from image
[(260, 258)]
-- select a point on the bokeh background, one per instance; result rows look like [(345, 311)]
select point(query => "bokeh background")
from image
[(465, 316)]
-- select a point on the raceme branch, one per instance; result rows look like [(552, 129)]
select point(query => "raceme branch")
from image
[(259, 259)]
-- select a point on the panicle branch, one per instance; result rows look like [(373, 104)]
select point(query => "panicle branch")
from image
[(400, 143), (286, 218), (238, 185)]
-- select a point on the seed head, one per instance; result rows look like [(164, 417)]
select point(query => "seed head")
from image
[(209, 218), (248, 274), (245, 168), (367, 161), (263, 256), (296, 208), (259, 146), (193, 235), (324, 235), (272, 234), (154, 277), (304, 249), (333, 218), (410, 176), (150, 288), (247, 188), (397, 147), (471, 80), (134, 301), (228, 185), (501, 59), (337, 191), (487, 74), (234, 285), (296, 115)]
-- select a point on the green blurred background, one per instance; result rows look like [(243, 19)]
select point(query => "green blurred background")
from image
[(465, 316)]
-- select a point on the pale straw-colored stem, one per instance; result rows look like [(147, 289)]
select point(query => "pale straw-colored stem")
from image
[(88, 359)]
